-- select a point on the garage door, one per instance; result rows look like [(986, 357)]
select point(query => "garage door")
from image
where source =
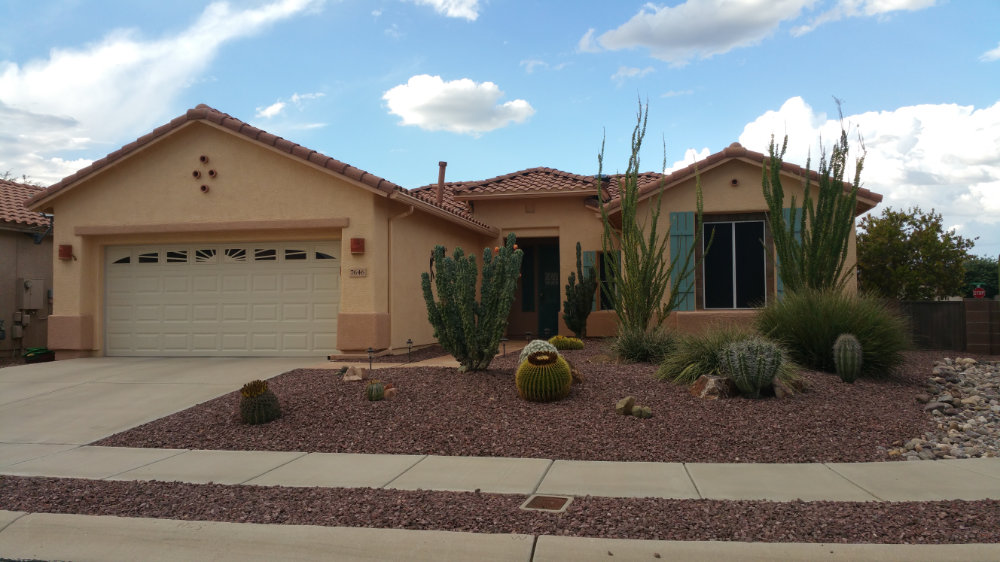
[(254, 299)]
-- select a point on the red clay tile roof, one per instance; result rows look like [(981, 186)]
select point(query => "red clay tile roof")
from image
[(546, 181), (12, 210), (428, 194), (206, 113)]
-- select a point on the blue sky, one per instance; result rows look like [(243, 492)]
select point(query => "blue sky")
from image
[(493, 86)]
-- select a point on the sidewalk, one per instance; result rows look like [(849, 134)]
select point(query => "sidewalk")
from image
[(966, 479)]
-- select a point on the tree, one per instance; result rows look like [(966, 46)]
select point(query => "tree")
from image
[(811, 242), (579, 297), (642, 276), (23, 178), (982, 271), (908, 255), (468, 329)]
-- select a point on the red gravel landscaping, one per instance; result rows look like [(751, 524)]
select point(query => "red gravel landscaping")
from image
[(443, 412)]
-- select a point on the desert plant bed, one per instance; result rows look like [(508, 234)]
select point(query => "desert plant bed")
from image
[(443, 412)]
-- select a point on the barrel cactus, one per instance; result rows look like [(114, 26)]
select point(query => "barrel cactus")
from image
[(258, 404), (751, 364), (375, 391), (533, 346), (847, 357), (564, 342), (543, 377)]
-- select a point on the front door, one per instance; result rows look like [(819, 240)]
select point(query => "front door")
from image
[(548, 290)]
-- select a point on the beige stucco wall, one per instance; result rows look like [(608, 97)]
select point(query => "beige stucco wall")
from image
[(21, 258), (254, 184)]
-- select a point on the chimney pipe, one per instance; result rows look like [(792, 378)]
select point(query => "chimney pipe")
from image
[(440, 187)]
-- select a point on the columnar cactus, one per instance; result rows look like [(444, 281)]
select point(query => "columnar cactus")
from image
[(579, 297), (751, 364), (847, 357), (375, 390), (258, 404), (468, 329), (533, 346), (563, 342), (543, 377)]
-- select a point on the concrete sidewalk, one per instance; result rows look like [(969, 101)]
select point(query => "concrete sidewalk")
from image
[(967, 479), (80, 537)]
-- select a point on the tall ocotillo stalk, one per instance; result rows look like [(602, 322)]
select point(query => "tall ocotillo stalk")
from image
[(810, 243), (467, 328), (643, 276)]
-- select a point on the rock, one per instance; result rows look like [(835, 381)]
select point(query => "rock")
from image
[(390, 393), (782, 389), (354, 374), (642, 412), (711, 387), (931, 406), (575, 373), (972, 400), (624, 406), (923, 398)]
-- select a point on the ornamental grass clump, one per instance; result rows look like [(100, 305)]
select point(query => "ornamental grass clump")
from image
[(809, 321), (697, 354), (751, 364), (639, 346)]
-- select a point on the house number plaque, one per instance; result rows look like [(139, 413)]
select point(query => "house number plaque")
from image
[(359, 271)]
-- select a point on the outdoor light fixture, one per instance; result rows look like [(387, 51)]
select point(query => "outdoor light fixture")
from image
[(527, 336), (370, 352), (504, 342), (409, 348), (546, 333)]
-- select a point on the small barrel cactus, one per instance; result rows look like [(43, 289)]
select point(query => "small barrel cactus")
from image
[(544, 377), (533, 346), (258, 404), (847, 357), (375, 390), (565, 342), (751, 364)]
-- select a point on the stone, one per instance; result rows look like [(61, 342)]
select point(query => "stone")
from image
[(624, 406), (711, 387), (782, 389), (354, 374), (390, 393), (931, 406), (923, 398), (575, 373)]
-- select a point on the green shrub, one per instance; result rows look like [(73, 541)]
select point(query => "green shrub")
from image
[(533, 346), (752, 364), (638, 346), (564, 342), (694, 355), (808, 323)]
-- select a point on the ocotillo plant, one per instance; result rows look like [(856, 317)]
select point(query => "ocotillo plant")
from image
[(468, 328), (579, 297)]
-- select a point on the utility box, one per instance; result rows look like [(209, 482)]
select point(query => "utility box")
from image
[(31, 294)]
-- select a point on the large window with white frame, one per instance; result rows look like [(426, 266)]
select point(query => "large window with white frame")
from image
[(734, 271)]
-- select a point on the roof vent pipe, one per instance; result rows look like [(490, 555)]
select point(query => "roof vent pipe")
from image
[(440, 187)]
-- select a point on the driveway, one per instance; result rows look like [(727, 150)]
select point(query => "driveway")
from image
[(62, 404)]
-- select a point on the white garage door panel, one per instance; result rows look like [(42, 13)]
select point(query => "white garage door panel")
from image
[(223, 299)]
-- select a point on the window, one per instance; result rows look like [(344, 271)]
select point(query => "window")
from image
[(177, 256), (734, 269), (236, 255), (605, 285), (295, 254), (149, 257), (267, 254), (204, 256)]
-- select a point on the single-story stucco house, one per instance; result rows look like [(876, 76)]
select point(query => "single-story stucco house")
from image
[(209, 236), (25, 270)]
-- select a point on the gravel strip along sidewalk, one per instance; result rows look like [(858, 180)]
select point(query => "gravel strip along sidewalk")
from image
[(937, 522)]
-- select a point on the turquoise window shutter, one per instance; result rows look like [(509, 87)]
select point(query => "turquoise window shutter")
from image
[(681, 242), (797, 233), (589, 260)]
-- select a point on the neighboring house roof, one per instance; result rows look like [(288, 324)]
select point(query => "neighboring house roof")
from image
[(205, 113), (533, 181), (13, 212)]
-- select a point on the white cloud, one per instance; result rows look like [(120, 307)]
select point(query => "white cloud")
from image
[(587, 43), (531, 64), (945, 157), (700, 28), (458, 106), (690, 157), (270, 111), (92, 97), (862, 8), (468, 9), (625, 72), (991, 55), (676, 93)]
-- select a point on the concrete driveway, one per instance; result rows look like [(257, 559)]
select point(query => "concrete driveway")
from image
[(63, 404)]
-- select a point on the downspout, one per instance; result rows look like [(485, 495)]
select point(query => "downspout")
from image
[(388, 289), (440, 186)]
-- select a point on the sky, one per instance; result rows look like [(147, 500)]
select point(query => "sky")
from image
[(496, 86)]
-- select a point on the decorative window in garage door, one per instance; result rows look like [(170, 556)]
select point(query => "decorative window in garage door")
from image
[(301, 254)]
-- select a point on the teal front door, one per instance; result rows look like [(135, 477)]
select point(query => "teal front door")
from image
[(548, 290)]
